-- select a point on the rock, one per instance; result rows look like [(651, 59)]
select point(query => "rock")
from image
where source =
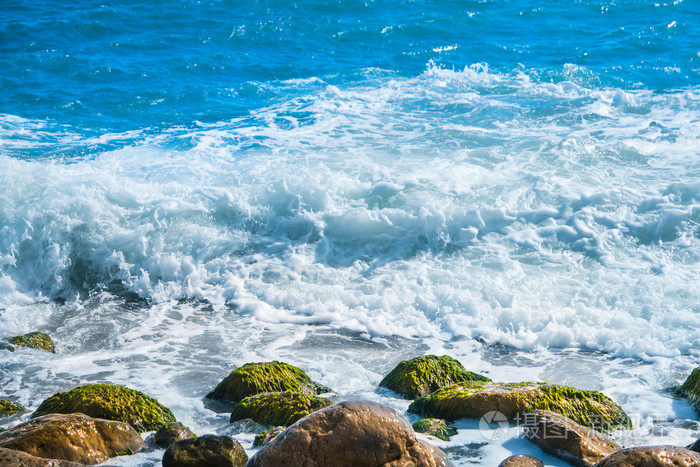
[(277, 408), (695, 446), (73, 437), (205, 451), (254, 378), (691, 389), (521, 460), (261, 439), (12, 458), (170, 433), (566, 439), (435, 427), (421, 376), (111, 402), (475, 399), (34, 340), (652, 456), (347, 435), (9, 411)]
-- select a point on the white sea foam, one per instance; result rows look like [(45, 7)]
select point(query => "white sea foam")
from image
[(395, 215)]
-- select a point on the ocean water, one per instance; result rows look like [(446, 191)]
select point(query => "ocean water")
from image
[(187, 186)]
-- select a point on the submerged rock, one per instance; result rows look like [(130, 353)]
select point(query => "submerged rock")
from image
[(9, 410), (254, 378), (277, 408), (12, 458), (170, 433), (261, 439), (475, 399), (205, 451), (420, 376), (566, 439), (521, 460), (652, 456), (347, 435), (73, 437), (34, 340), (691, 389), (111, 402), (435, 427)]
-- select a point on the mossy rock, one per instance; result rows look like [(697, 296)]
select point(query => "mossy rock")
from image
[(474, 399), (435, 427), (254, 378), (278, 408), (421, 376), (10, 409), (34, 340), (111, 402), (261, 439), (691, 389)]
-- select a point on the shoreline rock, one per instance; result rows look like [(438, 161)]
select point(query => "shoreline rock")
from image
[(277, 408), (435, 427), (205, 451), (34, 340), (652, 456)]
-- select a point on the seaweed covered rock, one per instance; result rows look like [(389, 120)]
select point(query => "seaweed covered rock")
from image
[(691, 388), (73, 437), (474, 399), (205, 451), (9, 410), (261, 439), (254, 378), (170, 433), (347, 435), (277, 408), (521, 460), (435, 427), (111, 402), (566, 439), (421, 376), (12, 458), (34, 340), (652, 456)]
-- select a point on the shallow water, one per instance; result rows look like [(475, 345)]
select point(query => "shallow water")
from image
[(190, 187)]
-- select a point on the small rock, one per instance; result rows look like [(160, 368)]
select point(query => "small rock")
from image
[(521, 460), (170, 433), (261, 439), (277, 408), (474, 399), (255, 378), (111, 402), (349, 434), (421, 376), (205, 451), (652, 456), (74, 437), (435, 427), (34, 340), (566, 439), (12, 458), (9, 411)]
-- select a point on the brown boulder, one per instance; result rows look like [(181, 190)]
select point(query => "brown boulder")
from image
[(170, 433), (349, 434), (521, 460), (205, 451), (12, 458), (73, 437), (566, 439), (652, 456)]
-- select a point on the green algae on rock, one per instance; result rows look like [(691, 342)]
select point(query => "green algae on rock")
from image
[(691, 389), (474, 399), (10, 409), (254, 378), (34, 340), (261, 439), (278, 408), (423, 375), (111, 402), (435, 427)]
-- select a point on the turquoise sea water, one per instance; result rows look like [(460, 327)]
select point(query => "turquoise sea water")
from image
[(188, 186)]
